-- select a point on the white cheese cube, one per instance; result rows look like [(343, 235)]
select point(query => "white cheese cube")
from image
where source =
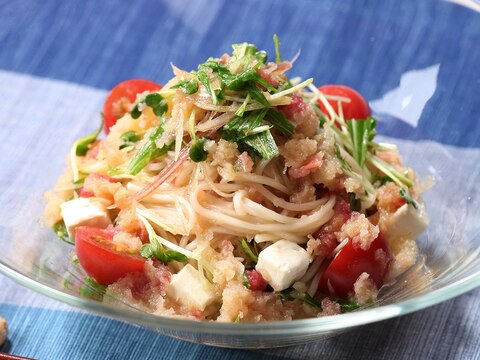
[(282, 263), (190, 289), (407, 222), (84, 211)]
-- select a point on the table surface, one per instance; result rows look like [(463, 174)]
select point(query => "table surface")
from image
[(93, 45)]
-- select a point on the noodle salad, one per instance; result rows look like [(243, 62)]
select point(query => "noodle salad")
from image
[(234, 193)]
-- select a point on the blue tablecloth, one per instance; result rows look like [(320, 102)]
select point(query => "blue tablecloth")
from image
[(95, 44)]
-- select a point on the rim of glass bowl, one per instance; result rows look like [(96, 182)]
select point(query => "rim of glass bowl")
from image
[(303, 326)]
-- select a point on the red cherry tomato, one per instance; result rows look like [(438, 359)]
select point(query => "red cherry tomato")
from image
[(98, 258), (351, 261), (122, 96), (357, 108)]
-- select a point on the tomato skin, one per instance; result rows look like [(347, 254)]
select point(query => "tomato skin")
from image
[(357, 108), (122, 96), (99, 260), (350, 262)]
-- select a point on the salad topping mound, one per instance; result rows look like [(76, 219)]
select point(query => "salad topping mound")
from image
[(235, 193)]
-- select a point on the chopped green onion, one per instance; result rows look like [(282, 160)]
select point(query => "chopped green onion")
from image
[(238, 319), (82, 143)]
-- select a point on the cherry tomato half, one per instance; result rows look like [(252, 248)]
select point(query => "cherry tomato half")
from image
[(122, 96), (95, 253), (357, 108), (351, 261)]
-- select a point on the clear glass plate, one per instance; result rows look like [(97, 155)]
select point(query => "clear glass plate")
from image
[(417, 109)]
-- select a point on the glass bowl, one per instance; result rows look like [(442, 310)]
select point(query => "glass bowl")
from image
[(416, 64)]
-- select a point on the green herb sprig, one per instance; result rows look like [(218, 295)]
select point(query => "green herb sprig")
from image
[(262, 145), (355, 204), (129, 139), (83, 143), (197, 151), (276, 42), (252, 254), (349, 307), (60, 230), (408, 199), (92, 290), (244, 54), (245, 281), (187, 86), (252, 135), (241, 127), (154, 100), (154, 249), (361, 132), (287, 295), (148, 152), (280, 122)]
